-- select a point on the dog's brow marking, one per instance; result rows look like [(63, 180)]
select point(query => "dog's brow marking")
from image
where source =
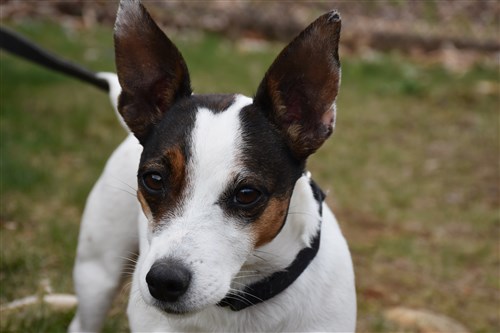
[(145, 206), (177, 173)]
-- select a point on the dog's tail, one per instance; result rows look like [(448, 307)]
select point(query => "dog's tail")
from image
[(22, 47)]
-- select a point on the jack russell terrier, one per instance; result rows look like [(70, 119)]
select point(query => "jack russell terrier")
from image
[(233, 235)]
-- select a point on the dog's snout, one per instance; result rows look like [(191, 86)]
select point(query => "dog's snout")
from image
[(168, 280)]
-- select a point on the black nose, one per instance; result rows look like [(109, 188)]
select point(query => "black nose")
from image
[(168, 280)]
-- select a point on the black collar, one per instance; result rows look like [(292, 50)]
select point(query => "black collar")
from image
[(272, 285)]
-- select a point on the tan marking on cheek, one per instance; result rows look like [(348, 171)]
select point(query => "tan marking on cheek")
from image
[(144, 205), (269, 223), (177, 172)]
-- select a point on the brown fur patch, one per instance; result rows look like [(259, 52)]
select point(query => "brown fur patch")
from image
[(271, 220), (144, 205), (177, 176), (165, 202)]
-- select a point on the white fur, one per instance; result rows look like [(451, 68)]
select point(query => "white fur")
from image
[(321, 299)]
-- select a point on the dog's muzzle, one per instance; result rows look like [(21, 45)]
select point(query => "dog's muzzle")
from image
[(168, 280)]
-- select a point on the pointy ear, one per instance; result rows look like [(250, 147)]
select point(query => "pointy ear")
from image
[(151, 71), (298, 91)]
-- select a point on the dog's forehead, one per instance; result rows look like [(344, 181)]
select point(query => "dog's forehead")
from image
[(216, 138), (176, 128), (208, 130)]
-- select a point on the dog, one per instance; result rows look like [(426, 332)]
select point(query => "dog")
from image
[(233, 235)]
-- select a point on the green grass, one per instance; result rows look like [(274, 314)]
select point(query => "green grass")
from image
[(412, 171)]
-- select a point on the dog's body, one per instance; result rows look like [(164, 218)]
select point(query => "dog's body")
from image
[(233, 235)]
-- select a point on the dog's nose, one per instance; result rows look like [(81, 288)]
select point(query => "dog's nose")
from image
[(168, 280)]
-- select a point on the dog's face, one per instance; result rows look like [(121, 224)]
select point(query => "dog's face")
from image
[(217, 171)]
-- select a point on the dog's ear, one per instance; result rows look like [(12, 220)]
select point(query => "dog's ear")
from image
[(298, 91), (151, 71)]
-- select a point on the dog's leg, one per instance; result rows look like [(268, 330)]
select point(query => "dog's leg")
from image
[(108, 236)]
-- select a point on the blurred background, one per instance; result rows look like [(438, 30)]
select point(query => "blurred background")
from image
[(412, 170)]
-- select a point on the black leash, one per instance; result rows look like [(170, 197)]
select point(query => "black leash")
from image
[(20, 46)]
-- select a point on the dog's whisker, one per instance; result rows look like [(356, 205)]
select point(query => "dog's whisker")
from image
[(244, 300), (133, 254), (126, 288), (129, 260), (239, 283), (131, 193), (261, 258), (266, 253), (128, 272), (244, 293), (248, 271), (124, 190), (250, 294), (234, 294), (304, 214), (246, 276), (125, 183), (130, 265)]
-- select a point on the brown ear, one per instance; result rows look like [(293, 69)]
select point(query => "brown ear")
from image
[(298, 91), (151, 71)]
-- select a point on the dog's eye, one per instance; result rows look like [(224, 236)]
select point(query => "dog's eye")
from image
[(246, 196), (153, 181)]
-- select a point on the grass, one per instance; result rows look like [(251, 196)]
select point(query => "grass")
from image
[(412, 171)]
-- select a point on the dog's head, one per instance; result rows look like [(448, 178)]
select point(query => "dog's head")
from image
[(217, 171)]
